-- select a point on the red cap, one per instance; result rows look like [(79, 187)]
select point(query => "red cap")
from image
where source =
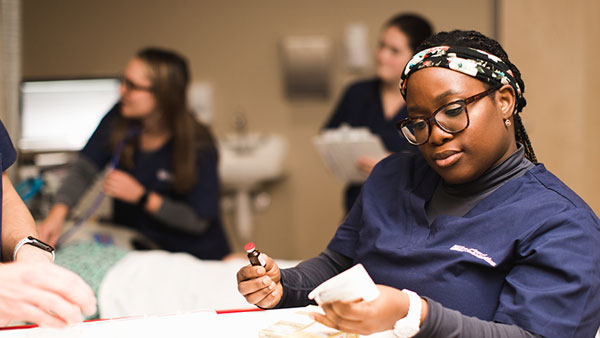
[(249, 247)]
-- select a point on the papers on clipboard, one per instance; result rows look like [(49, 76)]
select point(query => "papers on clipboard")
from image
[(340, 149)]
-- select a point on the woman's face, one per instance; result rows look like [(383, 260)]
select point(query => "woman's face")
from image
[(137, 99), (486, 142), (392, 54)]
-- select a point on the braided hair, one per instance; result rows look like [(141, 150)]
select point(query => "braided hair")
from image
[(474, 39)]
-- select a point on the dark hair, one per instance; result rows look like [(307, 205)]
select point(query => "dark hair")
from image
[(415, 27), (169, 76), (479, 41)]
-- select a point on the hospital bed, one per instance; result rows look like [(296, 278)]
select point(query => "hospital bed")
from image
[(151, 282)]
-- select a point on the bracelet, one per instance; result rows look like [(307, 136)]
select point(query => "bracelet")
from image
[(410, 325)]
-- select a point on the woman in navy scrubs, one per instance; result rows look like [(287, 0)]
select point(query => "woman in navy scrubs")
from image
[(375, 103), (165, 183), (482, 240)]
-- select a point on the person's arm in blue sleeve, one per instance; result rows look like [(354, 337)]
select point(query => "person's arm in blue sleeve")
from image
[(440, 322), (300, 280)]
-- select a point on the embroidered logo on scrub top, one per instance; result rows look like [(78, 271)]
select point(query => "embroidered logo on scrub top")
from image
[(163, 175), (475, 253)]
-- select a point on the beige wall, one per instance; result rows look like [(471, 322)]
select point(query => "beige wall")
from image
[(555, 45), (10, 64), (233, 44)]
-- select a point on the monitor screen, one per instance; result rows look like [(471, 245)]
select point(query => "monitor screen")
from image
[(61, 115)]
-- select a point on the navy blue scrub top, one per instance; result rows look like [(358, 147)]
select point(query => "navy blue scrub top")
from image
[(526, 255), (361, 106), (8, 156), (153, 171)]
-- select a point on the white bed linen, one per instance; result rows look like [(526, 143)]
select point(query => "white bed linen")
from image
[(160, 282)]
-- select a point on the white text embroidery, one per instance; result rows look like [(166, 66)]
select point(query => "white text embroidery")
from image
[(475, 253)]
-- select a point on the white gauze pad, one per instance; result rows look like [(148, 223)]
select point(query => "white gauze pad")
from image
[(352, 284)]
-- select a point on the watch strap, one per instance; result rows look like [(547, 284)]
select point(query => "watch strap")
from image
[(35, 242), (142, 201)]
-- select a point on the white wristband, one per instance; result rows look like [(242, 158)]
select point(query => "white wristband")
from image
[(409, 325)]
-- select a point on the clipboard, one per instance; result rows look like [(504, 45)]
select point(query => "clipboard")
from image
[(340, 148)]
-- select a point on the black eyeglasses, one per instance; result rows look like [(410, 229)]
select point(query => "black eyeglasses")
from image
[(130, 85), (451, 118)]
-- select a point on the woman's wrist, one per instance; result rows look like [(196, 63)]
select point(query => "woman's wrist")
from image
[(413, 310), (152, 201), (424, 310), (29, 253)]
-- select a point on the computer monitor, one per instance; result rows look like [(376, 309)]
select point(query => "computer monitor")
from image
[(61, 115)]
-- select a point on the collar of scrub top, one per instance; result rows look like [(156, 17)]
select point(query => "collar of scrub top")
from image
[(114, 162)]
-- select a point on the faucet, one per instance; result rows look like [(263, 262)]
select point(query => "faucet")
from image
[(240, 125)]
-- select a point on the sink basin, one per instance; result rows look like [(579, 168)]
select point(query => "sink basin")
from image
[(250, 159), (246, 161)]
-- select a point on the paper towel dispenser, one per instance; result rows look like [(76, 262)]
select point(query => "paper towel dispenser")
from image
[(307, 62)]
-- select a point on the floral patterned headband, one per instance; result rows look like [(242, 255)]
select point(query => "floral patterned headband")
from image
[(473, 62)]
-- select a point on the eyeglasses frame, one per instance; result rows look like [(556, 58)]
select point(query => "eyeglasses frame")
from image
[(131, 86), (466, 102)]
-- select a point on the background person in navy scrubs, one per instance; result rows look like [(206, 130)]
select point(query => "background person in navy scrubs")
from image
[(32, 288), (166, 183), (375, 103), (492, 242)]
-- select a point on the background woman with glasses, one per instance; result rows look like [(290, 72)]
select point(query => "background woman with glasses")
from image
[(165, 181), (375, 103), (492, 243)]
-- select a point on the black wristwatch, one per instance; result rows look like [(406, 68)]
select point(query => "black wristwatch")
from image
[(142, 201), (30, 240)]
